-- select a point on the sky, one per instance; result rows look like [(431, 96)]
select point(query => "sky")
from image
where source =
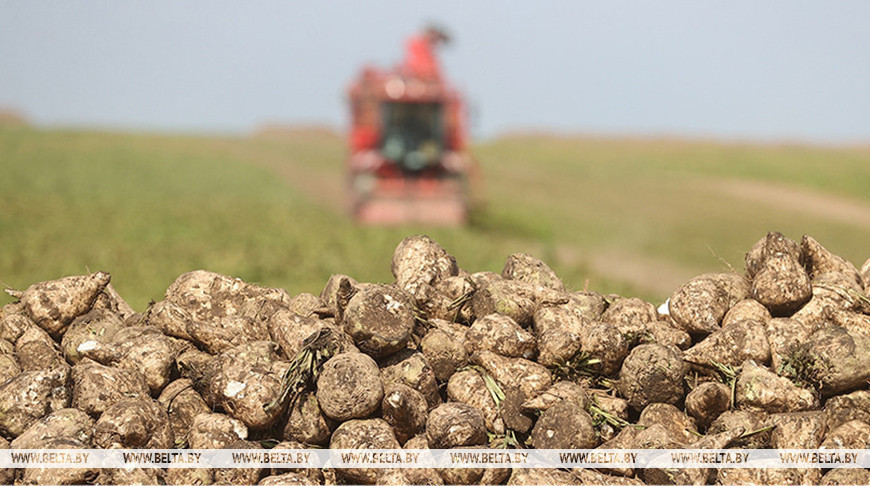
[(769, 70)]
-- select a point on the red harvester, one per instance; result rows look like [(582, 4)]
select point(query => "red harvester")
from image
[(408, 158)]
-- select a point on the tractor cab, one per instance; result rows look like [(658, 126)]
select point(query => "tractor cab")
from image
[(413, 134)]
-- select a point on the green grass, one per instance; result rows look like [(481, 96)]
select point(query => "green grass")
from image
[(657, 199), (636, 217)]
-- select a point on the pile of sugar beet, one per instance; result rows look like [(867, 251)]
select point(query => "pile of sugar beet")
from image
[(778, 357)]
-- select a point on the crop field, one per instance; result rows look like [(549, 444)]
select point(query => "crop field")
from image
[(631, 216)]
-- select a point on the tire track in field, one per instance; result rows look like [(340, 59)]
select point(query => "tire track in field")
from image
[(322, 187), (794, 199), (649, 275), (661, 276)]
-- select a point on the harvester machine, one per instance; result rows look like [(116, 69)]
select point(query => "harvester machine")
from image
[(408, 161)]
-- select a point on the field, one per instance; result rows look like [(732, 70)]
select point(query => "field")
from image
[(632, 216)]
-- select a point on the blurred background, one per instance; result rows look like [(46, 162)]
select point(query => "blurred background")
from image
[(630, 145)]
